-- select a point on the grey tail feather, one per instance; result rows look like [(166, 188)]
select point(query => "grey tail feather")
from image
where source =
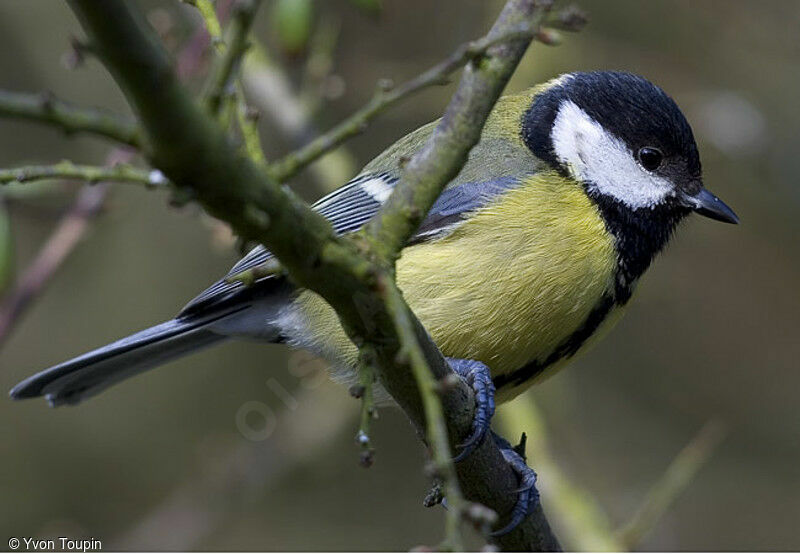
[(77, 379)]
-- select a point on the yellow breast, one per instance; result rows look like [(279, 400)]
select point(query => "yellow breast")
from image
[(508, 286)]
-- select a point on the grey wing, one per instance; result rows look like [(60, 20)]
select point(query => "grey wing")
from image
[(348, 208)]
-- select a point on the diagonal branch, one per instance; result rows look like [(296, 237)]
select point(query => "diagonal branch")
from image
[(44, 108), (675, 479), (62, 241), (350, 274)]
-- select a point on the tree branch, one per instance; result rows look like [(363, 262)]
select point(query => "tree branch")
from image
[(353, 277), (88, 173), (44, 108)]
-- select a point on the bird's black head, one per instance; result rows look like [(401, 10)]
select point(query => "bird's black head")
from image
[(625, 139), (629, 144)]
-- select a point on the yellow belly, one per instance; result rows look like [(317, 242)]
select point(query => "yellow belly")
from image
[(507, 287)]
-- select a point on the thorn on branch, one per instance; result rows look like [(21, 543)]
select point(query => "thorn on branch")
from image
[(520, 448), (47, 101), (75, 56)]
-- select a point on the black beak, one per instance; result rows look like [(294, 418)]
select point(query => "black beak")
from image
[(707, 204)]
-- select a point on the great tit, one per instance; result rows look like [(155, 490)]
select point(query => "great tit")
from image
[(532, 251)]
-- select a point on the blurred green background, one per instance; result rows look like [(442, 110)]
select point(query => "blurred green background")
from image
[(249, 447)]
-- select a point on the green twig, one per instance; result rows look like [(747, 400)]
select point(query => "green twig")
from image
[(232, 55), (674, 481), (44, 108), (268, 87), (209, 15), (248, 126), (223, 72), (435, 429), (387, 95), (88, 173), (364, 391)]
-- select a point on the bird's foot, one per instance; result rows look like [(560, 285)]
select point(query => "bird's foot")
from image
[(476, 374), (527, 495)]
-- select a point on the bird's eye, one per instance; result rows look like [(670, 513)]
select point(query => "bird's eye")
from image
[(650, 158)]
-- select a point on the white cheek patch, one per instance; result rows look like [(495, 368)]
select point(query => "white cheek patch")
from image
[(596, 157)]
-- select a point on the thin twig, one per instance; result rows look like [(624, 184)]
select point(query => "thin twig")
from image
[(365, 392), (386, 96), (232, 55), (674, 481), (45, 108), (223, 72), (268, 87), (89, 173), (212, 24), (436, 429), (61, 243), (248, 127)]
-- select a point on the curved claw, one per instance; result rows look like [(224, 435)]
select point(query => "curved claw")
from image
[(478, 377), (528, 496)]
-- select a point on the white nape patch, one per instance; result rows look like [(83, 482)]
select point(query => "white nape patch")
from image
[(377, 188), (595, 156)]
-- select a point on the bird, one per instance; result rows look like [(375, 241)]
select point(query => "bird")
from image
[(530, 254)]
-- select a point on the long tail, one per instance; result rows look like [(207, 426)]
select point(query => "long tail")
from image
[(75, 380)]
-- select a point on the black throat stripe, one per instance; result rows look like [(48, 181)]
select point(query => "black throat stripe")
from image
[(566, 349)]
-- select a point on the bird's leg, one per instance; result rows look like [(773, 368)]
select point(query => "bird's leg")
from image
[(528, 496), (476, 374)]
